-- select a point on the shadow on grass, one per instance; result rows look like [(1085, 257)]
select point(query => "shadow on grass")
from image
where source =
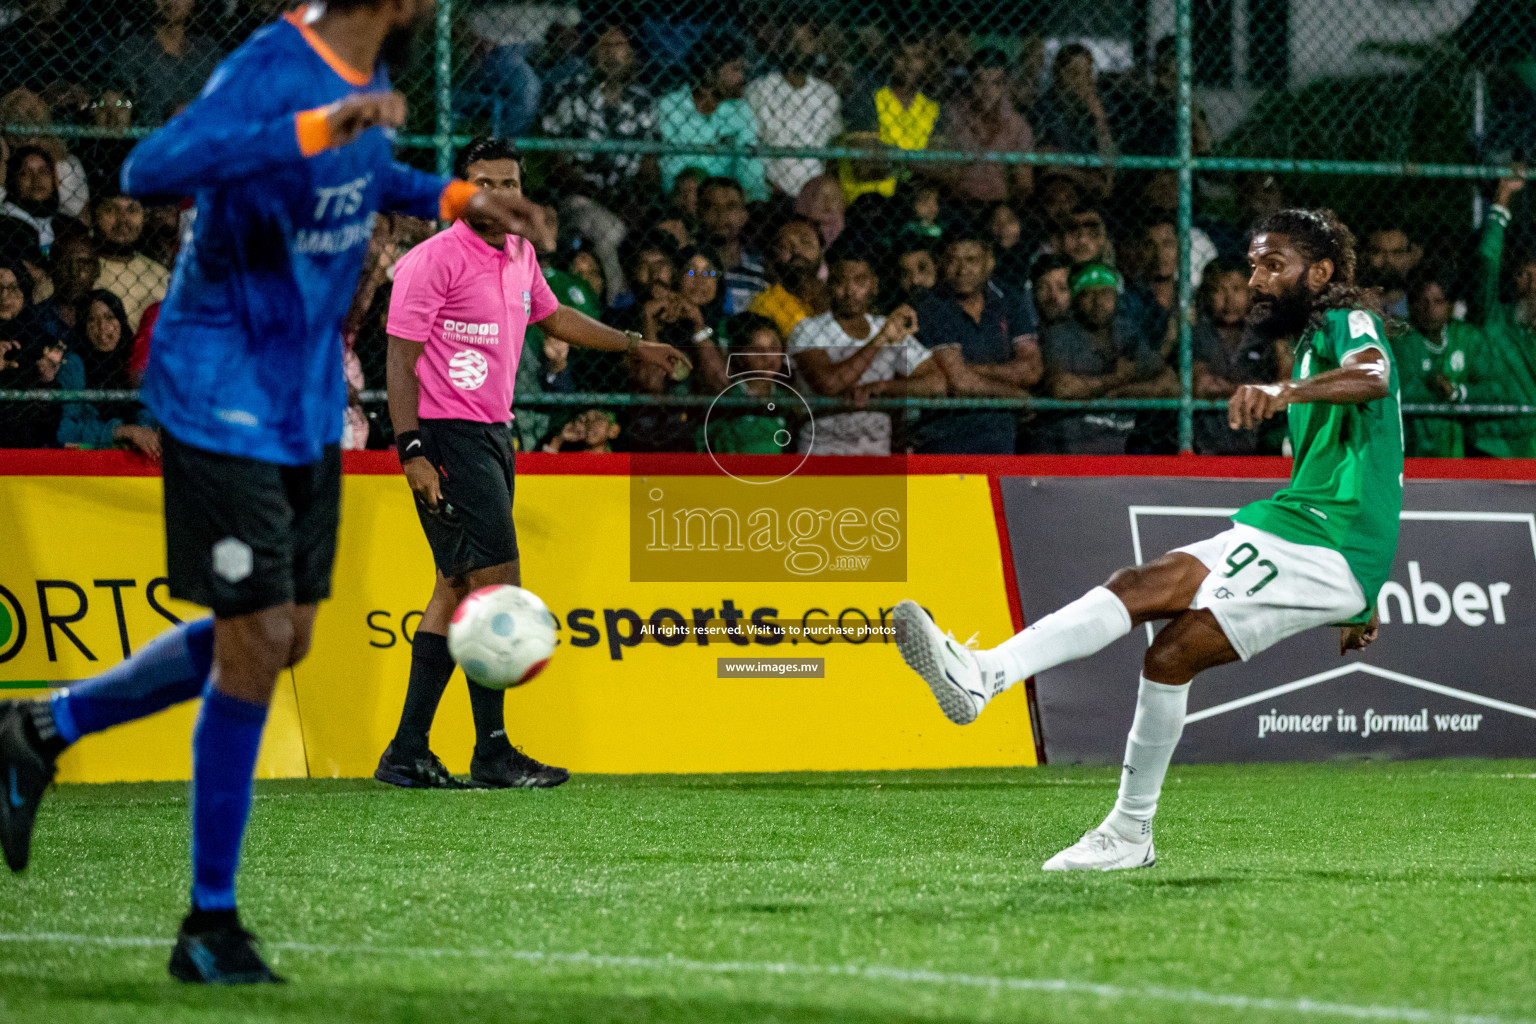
[(62, 1003)]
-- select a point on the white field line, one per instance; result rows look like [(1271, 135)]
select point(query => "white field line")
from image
[(678, 965)]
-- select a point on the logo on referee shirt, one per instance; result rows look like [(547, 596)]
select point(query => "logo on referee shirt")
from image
[(471, 333), (468, 369)]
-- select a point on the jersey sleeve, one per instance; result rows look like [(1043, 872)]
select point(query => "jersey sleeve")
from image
[(1351, 331), (234, 130), (414, 193), (421, 288), (541, 298)]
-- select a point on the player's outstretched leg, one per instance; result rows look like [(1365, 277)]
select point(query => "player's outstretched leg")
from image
[(169, 669), (1189, 644), (965, 681)]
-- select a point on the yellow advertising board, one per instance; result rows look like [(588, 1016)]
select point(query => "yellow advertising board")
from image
[(607, 703)]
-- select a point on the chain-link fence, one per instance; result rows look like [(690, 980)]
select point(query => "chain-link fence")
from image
[(1054, 197)]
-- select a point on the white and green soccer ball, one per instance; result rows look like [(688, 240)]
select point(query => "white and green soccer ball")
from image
[(502, 636)]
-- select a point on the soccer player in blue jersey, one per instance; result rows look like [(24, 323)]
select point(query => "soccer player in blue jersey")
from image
[(288, 154)]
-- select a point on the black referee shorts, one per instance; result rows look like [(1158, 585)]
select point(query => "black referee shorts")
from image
[(472, 527), (242, 535)]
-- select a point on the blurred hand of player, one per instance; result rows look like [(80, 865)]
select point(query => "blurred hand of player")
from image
[(422, 477), (1252, 404), (1359, 637), (511, 212), (556, 354), (349, 118), (7, 363), (668, 358)]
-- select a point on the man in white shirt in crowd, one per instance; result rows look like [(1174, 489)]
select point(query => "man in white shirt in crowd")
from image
[(851, 352), (795, 108)]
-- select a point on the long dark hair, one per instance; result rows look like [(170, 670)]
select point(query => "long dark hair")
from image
[(1320, 235)]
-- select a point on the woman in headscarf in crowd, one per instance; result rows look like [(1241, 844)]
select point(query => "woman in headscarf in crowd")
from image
[(98, 361)]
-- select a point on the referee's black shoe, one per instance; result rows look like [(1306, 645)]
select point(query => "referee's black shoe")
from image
[(414, 772), (510, 768), (26, 771), (213, 949)]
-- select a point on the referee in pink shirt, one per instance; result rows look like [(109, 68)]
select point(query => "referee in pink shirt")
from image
[(462, 301)]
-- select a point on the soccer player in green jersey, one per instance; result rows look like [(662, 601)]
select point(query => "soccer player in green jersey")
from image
[(1315, 554), (1510, 336)]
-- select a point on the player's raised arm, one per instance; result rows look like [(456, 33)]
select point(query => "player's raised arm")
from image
[(216, 140)]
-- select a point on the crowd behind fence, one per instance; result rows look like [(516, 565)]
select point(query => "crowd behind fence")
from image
[(1030, 218)]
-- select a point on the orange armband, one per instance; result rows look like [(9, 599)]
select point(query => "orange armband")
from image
[(313, 130)]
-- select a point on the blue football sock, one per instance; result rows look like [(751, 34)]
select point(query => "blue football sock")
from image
[(224, 748), (169, 669)]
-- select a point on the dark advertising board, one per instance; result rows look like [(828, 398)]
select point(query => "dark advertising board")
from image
[(1452, 674)]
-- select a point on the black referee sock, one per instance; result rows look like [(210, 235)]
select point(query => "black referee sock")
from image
[(431, 668), (489, 709)]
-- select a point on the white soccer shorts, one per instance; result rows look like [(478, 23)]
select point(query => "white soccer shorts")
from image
[(1263, 588)]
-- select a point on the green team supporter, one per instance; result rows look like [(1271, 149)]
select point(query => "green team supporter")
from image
[(1347, 481), (1435, 372), (1511, 352), (533, 425)]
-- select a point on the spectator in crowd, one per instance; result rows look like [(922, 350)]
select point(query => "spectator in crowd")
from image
[(657, 428), (501, 85), (1026, 74), (592, 431), (984, 341), (683, 198), (916, 269), (905, 116), (32, 368), (709, 110), (164, 69), (1050, 289), (74, 265), (850, 352), (794, 264), (919, 209), (1012, 252), (1148, 303), (51, 50), (821, 200), (1158, 198), (952, 55), (1387, 257), (583, 264), (18, 244), (21, 107), (1149, 115), (1435, 357), (603, 103), (722, 218), (795, 108), (759, 369), (559, 61), (1091, 355), (134, 278), (983, 120), (1083, 237), (1069, 117), (1228, 354), (1510, 336), (22, 347), (1255, 195), (102, 159), (98, 360), (32, 192), (698, 311)]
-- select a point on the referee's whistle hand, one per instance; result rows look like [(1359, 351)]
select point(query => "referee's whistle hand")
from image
[(670, 359), (424, 483)]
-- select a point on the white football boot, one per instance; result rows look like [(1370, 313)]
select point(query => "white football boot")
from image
[(946, 665), (1104, 849)]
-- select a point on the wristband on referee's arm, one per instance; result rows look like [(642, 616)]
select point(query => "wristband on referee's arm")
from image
[(408, 445)]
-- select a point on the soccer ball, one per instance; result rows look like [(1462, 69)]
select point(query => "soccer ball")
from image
[(502, 636)]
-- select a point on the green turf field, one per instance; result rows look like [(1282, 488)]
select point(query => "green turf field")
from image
[(1395, 892)]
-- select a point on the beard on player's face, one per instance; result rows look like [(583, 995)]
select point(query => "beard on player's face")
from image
[(1283, 315)]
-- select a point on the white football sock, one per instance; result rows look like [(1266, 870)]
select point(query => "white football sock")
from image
[(1084, 627), (1155, 731)]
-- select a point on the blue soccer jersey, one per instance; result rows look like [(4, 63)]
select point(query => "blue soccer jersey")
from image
[(247, 354)]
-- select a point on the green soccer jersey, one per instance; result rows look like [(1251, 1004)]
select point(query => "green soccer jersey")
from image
[(1347, 481), (1421, 365), (1510, 355)]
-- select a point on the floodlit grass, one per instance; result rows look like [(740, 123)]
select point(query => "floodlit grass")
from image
[(1364, 891)]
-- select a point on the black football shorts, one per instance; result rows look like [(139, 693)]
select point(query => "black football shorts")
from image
[(472, 527), (242, 535)]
